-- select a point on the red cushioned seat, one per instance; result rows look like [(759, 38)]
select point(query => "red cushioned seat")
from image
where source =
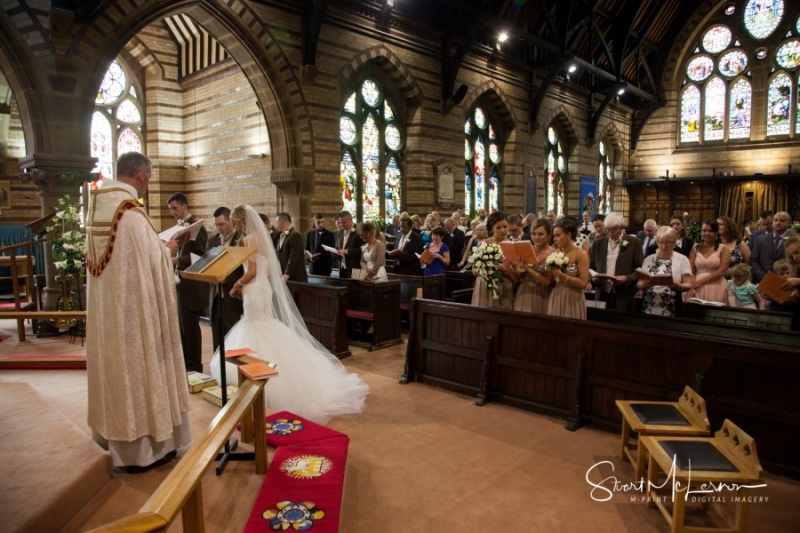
[(363, 315)]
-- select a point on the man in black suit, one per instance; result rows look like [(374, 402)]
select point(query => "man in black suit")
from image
[(393, 229), (765, 223), (321, 260), (290, 249), (349, 245), (648, 237), (409, 244), (231, 307), (192, 295), (618, 255), (770, 247), (457, 239)]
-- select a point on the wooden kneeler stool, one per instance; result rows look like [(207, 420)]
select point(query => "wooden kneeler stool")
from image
[(709, 470), (685, 418)]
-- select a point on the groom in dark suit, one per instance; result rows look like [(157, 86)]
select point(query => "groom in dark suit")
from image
[(231, 307), (290, 249), (618, 255), (322, 265)]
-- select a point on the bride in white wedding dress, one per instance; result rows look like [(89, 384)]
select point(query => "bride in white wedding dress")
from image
[(311, 382)]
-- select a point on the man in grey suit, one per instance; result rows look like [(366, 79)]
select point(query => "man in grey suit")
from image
[(231, 307), (770, 247), (290, 249), (618, 255)]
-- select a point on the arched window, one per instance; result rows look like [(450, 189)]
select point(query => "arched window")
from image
[(717, 84), (371, 172), (482, 155), (555, 168), (605, 179), (118, 121)]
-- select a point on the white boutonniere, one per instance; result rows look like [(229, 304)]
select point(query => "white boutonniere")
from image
[(186, 224), (623, 243), (286, 233)]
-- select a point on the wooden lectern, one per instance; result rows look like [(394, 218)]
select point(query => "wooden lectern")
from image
[(216, 273)]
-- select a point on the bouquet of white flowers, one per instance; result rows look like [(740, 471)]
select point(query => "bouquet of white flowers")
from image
[(486, 259), (69, 243), (557, 260)]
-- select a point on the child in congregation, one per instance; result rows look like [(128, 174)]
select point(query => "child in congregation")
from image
[(783, 268), (741, 292)]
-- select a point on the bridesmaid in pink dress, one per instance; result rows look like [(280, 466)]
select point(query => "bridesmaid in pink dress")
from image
[(566, 300), (710, 259), (536, 282)]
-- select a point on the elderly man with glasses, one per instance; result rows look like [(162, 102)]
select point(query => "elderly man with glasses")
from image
[(615, 257)]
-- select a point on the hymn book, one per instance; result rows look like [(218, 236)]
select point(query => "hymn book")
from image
[(238, 352), (597, 276), (658, 279), (258, 370), (519, 249), (771, 285), (176, 231), (706, 302), (426, 257), (207, 260), (330, 249)]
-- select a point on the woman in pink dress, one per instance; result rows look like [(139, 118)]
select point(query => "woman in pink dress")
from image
[(536, 282), (710, 259), (566, 300)]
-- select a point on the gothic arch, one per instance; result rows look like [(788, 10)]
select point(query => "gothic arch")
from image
[(491, 92), (566, 124), (397, 74), (611, 132), (16, 67)]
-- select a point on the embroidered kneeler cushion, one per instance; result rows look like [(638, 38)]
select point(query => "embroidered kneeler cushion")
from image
[(284, 429)]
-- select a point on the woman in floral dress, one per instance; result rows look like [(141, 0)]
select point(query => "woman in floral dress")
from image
[(535, 287), (663, 299), (566, 300), (482, 295)]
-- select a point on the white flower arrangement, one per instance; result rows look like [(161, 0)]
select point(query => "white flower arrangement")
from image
[(486, 259), (557, 260), (68, 243)]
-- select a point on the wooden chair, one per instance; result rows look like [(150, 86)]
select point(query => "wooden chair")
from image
[(22, 282), (686, 418), (723, 464)]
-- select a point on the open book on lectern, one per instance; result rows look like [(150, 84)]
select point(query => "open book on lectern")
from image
[(207, 260)]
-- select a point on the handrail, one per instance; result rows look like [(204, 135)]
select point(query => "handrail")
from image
[(181, 489)]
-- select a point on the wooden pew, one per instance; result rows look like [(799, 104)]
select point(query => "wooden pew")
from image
[(577, 370), (324, 310), (373, 303), (433, 288), (457, 280), (737, 316)]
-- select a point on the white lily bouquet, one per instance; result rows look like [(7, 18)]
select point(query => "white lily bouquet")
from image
[(486, 260), (557, 260)]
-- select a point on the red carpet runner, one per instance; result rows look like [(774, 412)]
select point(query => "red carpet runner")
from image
[(303, 487)]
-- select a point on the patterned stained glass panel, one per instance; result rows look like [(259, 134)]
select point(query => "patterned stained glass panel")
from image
[(551, 135), (348, 132), (102, 145), (562, 163), (494, 192), (128, 112), (388, 114), (602, 148), (128, 141), (761, 17), (370, 93), (788, 55), (350, 105), (779, 103), (761, 53), (492, 135), (601, 179), (560, 197), (392, 179), (690, 114), (479, 169), (133, 92), (467, 191), (370, 170), (730, 10), (467, 149), (732, 63), (480, 118), (393, 138), (113, 85), (797, 117), (551, 181), (494, 153), (740, 109), (717, 39), (468, 126), (347, 177), (714, 127), (700, 68)]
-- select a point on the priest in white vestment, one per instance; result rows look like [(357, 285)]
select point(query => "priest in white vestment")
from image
[(138, 391)]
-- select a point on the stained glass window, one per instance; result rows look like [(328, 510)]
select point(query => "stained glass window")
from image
[(605, 179), (739, 116), (555, 171), (788, 55), (732, 63), (779, 104), (700, 68), (117, 123), (717, 39), (714, 110), (371, 172), (761, 17), (483, 153), (690, 114), (797, 117)]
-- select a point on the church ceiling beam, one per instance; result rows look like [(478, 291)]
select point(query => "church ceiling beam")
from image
[(611, 91), (313, 15)]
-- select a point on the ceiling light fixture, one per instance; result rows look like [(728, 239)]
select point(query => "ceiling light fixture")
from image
[(572, 68), (503, 37)]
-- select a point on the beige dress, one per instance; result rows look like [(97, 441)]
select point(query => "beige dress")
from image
[(483, 297), (566, 301), (532, 297)]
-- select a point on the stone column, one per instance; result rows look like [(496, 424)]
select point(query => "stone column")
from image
[(56, 175)]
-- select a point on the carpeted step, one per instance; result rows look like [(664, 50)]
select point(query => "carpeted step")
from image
[(51, 468), (42, 362)]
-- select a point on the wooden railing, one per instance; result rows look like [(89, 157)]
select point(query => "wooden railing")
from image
[(181, 491)]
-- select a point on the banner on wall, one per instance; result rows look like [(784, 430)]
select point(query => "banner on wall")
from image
[(530, 192), (588, 195)]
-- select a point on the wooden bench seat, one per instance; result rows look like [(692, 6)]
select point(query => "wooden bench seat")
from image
[(324, 311)]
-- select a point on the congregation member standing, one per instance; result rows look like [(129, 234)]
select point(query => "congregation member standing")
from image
[(665, 299), (138, 395), (770, 247), (291, 255), (683, 244), (566, 300), (648, 237), (192, 295), (536, 281), (729, 237), (618, 255), (710, 259), (373, 253), (455, 241), (231, 307), (408, 245), (349, 245), (322, 264), (440, 254)]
